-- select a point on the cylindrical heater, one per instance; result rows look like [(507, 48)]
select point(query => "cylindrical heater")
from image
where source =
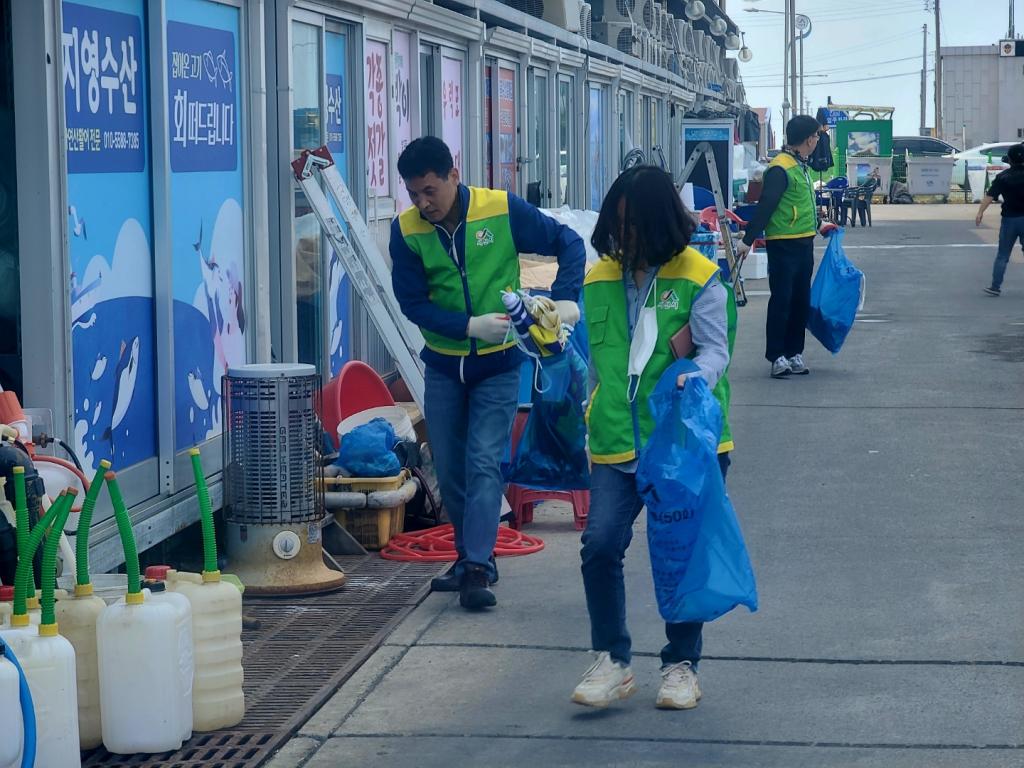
[(273, 489)]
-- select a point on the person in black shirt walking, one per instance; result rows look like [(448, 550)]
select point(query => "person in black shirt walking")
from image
[(1009, 185)]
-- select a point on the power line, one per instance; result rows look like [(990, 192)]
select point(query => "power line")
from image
[(857, 80), (840, 69)]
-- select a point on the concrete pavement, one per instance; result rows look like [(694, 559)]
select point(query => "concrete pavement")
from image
[(881, 502)]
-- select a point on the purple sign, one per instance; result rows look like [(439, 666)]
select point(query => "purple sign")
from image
[(103, 61), (202, 98)]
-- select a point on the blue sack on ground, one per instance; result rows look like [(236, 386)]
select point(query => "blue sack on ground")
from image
[(368, 450), (836, 295), (699, 562), (552, 452)]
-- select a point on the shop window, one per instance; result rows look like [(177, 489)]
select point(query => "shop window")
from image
[(595, 145), (208, 235), (307, 132), (452, 100), (428, 94), (105, 62), (488, 129), (401, 117), (377, 150)]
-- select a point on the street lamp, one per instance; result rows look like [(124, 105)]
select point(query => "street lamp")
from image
[(745, 53), (694, 10), (802, 24)]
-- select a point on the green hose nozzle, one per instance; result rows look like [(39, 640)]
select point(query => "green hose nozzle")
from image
[(20, 510), (48, 622), (23, 578), (83, 587), (210, 570), (124, 529)]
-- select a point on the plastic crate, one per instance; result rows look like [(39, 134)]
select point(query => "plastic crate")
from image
[(373, 528)]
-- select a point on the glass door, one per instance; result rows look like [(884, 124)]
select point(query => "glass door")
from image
[(566, 142), (501, 127), (595, 144), (538, 189)]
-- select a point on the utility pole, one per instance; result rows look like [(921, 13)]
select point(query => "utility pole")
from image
[(791, 23), (938, 70), (785, 67), (1010, 34), (802, 69), (924, 80)]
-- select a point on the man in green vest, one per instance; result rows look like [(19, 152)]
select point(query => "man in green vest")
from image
[(788, 215), (453, 253)]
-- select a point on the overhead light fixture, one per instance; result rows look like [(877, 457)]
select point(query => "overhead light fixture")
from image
[(719, 27), (745, 53), (695, 10), (732, 42)]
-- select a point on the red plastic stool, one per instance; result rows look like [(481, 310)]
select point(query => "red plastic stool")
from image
[(521, 499), (355, 389)]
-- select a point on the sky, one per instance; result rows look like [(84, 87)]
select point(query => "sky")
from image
[(878, 39)]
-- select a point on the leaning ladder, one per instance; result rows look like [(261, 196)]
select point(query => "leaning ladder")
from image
[(735, 265), (362, 261)]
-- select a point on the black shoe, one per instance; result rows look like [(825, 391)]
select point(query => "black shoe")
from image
[(992, 291), (448, 582), (475, 593), (494, 578)]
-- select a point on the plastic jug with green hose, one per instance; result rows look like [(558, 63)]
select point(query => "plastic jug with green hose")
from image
[(77, 617)]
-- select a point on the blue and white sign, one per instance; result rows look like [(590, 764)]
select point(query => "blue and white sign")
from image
[(707, 134), (202, 95), (102, 59), (833, 116), (208, 237), (109, 225)]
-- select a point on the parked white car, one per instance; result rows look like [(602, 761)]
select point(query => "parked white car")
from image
[(979, 155)]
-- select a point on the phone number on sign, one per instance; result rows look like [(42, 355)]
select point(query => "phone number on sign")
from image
[(95, 140)]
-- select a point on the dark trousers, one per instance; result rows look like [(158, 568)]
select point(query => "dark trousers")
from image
[(790, 264), (614, 506), (1011, 229)]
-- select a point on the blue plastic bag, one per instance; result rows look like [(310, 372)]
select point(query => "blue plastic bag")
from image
[(836, 295), (552, 452), (368, 450), (699, 562)]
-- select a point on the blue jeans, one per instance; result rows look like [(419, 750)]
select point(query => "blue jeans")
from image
[(614, 506), (1010, 231), (469, 426)]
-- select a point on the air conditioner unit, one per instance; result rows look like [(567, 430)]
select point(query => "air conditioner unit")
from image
[(667, 22), (732, 68), (663, 63), (563, 13), (616, 11), (586, 20), (655, 26), (532, 7), (645, 13), (698, 44), (623, 37)]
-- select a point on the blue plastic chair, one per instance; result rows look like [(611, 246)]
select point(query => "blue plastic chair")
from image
[(702, 198)]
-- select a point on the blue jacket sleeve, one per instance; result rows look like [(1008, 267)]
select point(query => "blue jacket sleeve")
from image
[(533, 232), (409, 282)]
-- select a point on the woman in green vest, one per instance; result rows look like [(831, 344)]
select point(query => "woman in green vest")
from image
[(648, 300), (788, 215)]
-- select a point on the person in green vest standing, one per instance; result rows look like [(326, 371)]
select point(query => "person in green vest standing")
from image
[(649, 299), (453, 253), (788, 215)]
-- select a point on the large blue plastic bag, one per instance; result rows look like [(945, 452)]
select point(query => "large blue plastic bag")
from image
[(836, 295), (552, 452), (699, 561), (368, 450)]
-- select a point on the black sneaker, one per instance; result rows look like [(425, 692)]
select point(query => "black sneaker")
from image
[(447, 582), (475, 594), (992, 291), (494, 577)]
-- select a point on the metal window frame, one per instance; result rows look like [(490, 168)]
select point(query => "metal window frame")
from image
[(546, 178), (574, 169)]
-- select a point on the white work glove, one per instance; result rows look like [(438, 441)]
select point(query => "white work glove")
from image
[(492, 328), (568, 312), (742, 250)]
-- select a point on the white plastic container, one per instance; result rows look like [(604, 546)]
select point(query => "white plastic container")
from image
[(217, 698), (77, 617), (138, 657), (186, 664), (395, 415), (49, 664), (10, 715), (6, 607)]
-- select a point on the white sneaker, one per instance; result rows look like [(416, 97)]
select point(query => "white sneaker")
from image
[(679, 687), (605, 682), (781, 368), (798, 366)]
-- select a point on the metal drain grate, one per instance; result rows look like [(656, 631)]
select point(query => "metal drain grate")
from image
[(295, 658)]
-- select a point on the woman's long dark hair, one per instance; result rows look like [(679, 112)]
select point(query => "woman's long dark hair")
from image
[(655, 225)]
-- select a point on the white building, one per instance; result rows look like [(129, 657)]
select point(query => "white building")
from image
[(983, 93)]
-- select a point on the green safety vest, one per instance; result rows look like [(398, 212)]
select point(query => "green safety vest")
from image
[(491, 265), (617, 427), (796, 215)]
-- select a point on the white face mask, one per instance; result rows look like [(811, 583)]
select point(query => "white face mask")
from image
[(645, 339)]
